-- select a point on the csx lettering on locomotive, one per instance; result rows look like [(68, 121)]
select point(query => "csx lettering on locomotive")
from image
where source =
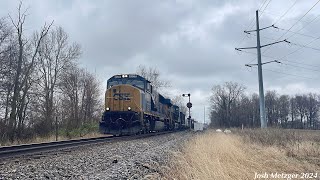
[(121, 96)]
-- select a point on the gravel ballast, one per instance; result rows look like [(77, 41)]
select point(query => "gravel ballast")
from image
[(143, 158)]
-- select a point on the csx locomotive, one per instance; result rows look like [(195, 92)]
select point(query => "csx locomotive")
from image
[(132, 106)]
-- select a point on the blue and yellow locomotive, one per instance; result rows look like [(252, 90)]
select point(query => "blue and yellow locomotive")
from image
[(133, 107)]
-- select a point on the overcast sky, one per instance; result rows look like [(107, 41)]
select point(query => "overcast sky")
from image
[(191, 42)]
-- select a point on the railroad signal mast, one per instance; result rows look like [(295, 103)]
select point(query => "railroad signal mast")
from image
[(189, 106)]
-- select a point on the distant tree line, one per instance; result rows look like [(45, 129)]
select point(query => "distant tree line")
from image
[(232, 107), (41, 80)]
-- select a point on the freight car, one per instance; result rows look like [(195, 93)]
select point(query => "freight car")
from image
[(132, 106)]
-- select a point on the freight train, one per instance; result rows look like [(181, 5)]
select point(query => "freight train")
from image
[(132, 106)]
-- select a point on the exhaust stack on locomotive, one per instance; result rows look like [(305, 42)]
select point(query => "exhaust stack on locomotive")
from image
[(133, 107)]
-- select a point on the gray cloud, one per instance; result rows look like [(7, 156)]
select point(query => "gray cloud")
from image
[(191, 42)]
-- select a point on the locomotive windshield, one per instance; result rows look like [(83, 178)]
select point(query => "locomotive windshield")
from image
[(134, 81)]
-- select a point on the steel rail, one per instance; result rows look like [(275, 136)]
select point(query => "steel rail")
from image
[(29, 149)]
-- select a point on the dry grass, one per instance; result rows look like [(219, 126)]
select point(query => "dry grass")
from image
[(240, 155), (51, 139), (301, 144)]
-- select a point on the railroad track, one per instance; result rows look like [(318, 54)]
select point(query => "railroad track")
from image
[(29, 149)]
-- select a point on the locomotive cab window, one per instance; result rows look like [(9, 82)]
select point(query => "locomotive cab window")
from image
[(130, 81), (137, 83), (112, 83)]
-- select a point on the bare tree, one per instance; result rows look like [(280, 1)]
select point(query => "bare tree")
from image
[(70, 87), (283, 109), (152, 75), (271, 107), (293, 110), (312, 109), (79, 98), (244, 111), (224, 101), (218, 101), (27, 53), (301, 106), (6, 75), (55, 55), (90, 103), (5, 36)]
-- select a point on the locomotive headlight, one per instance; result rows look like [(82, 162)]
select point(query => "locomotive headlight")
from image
[(108, 109), (129, 108)]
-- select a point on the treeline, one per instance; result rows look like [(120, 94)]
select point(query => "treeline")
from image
[(41, 82), (232, 107)]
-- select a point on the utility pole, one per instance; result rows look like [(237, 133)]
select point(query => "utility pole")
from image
[(204, 115), (259, 64), (261, 92)]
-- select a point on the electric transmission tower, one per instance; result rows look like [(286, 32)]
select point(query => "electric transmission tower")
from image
[(259, 64)]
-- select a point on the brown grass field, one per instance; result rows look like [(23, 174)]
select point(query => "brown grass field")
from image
[(243, 153)]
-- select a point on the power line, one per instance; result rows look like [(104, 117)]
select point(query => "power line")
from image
[(279, 72), (294, 62), (300, 18), (296, 44), (299, 48), (287, 74), (292, 43), (275, 58), (251, 25), (295, 32), (300, 67), (285, 12), (305, 26), (264, 8), (304, 46), (295, 23), (288, 30), (279, 14)]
